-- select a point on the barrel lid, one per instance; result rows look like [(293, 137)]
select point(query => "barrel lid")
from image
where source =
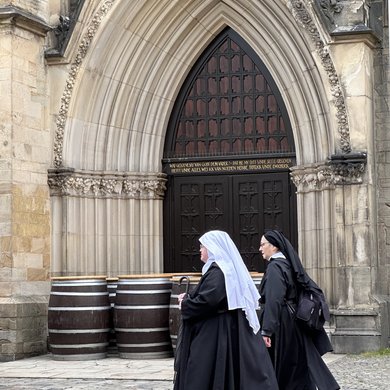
[(89, 277), (256, 274), (145, 276), (187, 274), (191, 277)]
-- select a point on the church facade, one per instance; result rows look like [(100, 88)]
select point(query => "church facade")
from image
[(130, 128)]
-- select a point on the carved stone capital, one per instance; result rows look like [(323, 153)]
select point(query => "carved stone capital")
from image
[(313, 177), (338, 170), (348, 168), (128, 185)]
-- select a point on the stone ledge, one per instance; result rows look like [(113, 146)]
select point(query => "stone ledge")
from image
[(24, 20), (359, 330), (355, 344)]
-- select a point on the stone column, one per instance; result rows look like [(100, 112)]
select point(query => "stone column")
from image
[(359, 317), (24, 195), (106, 223), (338, 248), (382, 155)]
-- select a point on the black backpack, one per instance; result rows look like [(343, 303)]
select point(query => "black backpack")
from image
[(312, 310)]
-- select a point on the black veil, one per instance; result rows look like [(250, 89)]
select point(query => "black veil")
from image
[(278, 239)]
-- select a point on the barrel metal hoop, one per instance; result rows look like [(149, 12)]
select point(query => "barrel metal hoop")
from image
[(140, 330), (77, 331), (146, 345), (78, 346), (81, 294), (84, 308), (135, 292), (141, 307)]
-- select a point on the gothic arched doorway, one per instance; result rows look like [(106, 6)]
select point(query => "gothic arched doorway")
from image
[(227, 155)]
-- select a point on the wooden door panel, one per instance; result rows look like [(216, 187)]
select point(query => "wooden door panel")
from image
[(216, 203), (199, 204), (261, 201), (247, 206), (242, 205)]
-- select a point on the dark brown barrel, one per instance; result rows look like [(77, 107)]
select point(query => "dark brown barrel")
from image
[(174, 312), (141, 316), (111, 287), (78, 318), (256, 276)]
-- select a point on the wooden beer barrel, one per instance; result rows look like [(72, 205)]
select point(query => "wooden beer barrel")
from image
[(111, 287), (174, 311), (141, 316), (78, 318), (256, 276)]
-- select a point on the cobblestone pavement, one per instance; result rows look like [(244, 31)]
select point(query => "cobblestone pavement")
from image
[(353, 372), (83, 384), (360, 372)]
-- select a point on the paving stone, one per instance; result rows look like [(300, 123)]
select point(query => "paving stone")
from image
[(353, 372)]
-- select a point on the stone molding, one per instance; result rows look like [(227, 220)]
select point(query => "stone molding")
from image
[(300, 13), (303, 17), (128, 185), (338, 170), (71, 80), (24, 20)]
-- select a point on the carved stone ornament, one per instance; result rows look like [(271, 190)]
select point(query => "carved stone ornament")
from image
[(313, 177), (338, 170), (329, 8), (123, 185), (61, 31), (302, 16), (70, 82)]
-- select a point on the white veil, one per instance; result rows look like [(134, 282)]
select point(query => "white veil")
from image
[(240, 288)]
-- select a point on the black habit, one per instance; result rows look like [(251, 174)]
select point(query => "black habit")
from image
[(295, 352), (219, 350)]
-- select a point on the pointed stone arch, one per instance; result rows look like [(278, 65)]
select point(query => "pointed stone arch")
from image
[(114, 120), (230, 86), (227, 154), (164, 60)]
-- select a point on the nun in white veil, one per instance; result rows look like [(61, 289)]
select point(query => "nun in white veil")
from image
[(221, 347)]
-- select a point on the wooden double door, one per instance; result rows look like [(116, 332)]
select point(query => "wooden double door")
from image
[(244, 205), (227, 153)]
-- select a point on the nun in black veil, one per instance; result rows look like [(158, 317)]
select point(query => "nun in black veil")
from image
[(295, 351), (221, 346)]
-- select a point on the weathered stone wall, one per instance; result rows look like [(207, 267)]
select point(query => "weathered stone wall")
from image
[(62, 109), (24, 195), (382, 142), (359, 31)]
